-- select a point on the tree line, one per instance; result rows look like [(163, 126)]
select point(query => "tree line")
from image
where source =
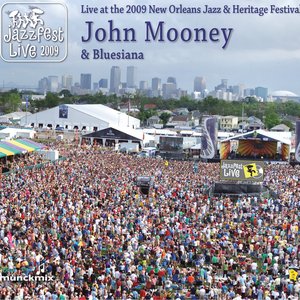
[(271, 113)]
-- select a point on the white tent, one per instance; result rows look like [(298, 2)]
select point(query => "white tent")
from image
[(12, 133), (89, 117)]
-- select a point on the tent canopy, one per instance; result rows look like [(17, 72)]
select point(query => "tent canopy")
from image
[(116, 134), (18, 146)]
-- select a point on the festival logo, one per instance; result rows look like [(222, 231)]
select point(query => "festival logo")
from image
[(33, 32), (242, 170)]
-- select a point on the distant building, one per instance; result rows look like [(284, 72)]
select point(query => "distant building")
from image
[(254, 123), (67, 82), (249, 92), (169, 90), (222, 86), (181, 111), (156, 83), (181, 120), (280, 128), (237, 91), (115, 79), (143, 85), (228, 123), (86, 81), (172, 80), (14, 117), (199, 84), (95, 86), (150, 106), (131, 77), (53, 84), (103, 83), (261, 92), (283, 96), (43, 85), (152, 121), (222, 95), (156, 87)]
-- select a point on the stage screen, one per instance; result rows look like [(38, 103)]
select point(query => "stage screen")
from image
[(257, 148), (171, 143)]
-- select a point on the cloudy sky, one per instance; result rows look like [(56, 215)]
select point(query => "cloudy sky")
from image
[(262, 50)]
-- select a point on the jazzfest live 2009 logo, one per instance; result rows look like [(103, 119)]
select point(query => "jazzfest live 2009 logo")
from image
[(33, 32)]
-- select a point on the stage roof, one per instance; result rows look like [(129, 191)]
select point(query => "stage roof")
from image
[(259, 134), (116, 133)]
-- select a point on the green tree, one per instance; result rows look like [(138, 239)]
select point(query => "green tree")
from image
[(65, 93), (271, 119), (11, 102), (99, 98), (51, 100), (165, 117), (144, 115)]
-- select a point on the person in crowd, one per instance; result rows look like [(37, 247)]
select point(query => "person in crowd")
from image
[(82, 228)]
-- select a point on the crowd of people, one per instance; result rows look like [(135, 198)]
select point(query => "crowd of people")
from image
[(81, 228)]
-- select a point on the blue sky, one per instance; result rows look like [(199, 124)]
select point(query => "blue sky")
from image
[(262, 51)]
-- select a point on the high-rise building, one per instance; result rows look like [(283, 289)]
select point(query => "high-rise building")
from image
[(237, 91), (143, 85), (156, 83), (169, 90), (95, 86), (67, 82), (172, 80), (156, 87), (43, 85), (85, 81), (103, 83), (131, 77), (249, 92), (199, 84), (53, 84), (222, 86), (115, 79), (261, 92)]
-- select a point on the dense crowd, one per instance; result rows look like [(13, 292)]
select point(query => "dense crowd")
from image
[(82, 229)]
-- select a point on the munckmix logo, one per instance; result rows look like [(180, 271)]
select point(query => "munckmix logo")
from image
[(33, 32), (28, 278)]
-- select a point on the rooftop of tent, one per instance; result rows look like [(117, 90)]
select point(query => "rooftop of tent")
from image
[(262, 135), (116, 133)]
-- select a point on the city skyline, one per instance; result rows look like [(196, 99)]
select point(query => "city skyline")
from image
[(156, 88), (262, 51), (210, 86)]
